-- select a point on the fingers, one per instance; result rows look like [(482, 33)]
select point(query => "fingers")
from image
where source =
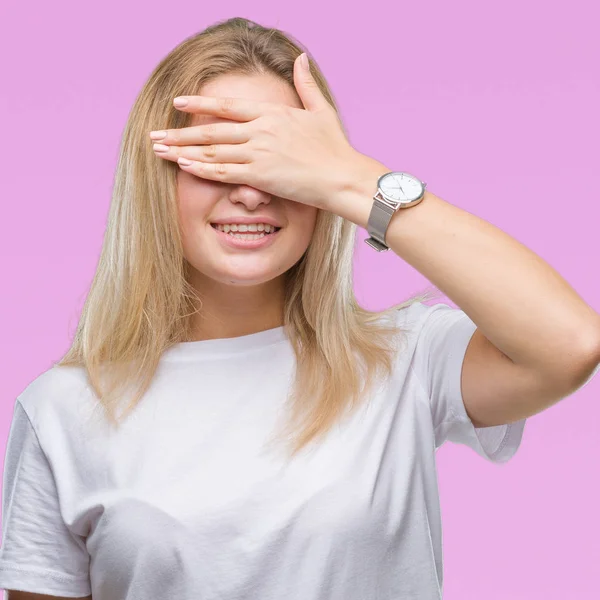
[(226, 163), (213, 153), (210, 133), (236, 109), (225, 172)]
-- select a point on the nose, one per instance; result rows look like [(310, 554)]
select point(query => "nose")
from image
[(250, 197)]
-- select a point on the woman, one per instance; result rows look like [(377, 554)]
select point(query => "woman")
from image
[(279, 440)]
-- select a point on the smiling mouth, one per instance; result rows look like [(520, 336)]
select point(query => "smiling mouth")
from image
[(215, 226)]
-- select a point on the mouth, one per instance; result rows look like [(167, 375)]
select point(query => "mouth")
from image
[(215, 226), (246, 240)]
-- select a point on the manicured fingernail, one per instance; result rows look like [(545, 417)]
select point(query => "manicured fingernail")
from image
[(184, 161), (158, 135), (160, 147), (180, 101)]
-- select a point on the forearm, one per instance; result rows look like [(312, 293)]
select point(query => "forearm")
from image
[(520, 303)]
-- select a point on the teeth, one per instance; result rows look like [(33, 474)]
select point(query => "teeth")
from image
[(247, 236), (243, 228)]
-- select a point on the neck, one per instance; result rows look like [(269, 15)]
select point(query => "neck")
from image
[(235, 310)]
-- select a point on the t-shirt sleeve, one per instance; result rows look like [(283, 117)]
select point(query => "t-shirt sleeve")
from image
[(39, 553), (443, 336)]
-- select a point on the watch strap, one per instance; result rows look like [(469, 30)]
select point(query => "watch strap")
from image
[(381, 214), (379, 219)]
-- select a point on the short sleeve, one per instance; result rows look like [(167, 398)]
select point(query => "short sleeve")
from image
[(443, 336), (39, 554)]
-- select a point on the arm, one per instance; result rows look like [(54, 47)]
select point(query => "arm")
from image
[(537, 341), (17, 595)]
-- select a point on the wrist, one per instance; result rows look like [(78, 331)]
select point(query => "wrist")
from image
[(354, 199)]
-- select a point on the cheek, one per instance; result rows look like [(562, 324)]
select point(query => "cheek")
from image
[(305, 217), (184, 196), (194, 197), (193, 207)]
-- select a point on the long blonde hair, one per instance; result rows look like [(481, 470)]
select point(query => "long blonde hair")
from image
[(140, 301)]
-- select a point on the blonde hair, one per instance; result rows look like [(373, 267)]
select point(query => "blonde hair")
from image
[(140, 301)]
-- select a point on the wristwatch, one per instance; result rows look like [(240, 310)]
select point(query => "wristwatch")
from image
[(395, 190)]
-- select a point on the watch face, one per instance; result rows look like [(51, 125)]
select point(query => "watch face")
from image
[(401, 187)]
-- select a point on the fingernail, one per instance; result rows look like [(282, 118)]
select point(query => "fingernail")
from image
[(160, 147), (304, 61), (184, 161), (158, 135), (180, 101)]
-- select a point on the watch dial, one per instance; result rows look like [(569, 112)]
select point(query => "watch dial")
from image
[(402, 187)]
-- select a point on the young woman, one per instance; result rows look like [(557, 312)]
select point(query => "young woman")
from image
[(229, 423)]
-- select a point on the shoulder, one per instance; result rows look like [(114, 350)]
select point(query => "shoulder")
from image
[(56, 392), (417, 315)]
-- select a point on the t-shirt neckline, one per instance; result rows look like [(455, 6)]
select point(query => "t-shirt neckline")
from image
[(225, 346)]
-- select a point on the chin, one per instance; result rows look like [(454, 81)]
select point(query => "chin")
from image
[(246, 280)]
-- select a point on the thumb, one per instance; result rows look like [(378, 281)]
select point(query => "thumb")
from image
[(306, 86)]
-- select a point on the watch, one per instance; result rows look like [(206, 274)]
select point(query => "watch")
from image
[(395, 190)]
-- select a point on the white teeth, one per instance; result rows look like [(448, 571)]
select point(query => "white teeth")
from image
[(243, 228), (248, 236)]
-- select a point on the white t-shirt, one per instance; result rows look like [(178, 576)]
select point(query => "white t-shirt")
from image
[(184, 503)]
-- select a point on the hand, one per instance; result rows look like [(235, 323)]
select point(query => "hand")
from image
[(301, 155)]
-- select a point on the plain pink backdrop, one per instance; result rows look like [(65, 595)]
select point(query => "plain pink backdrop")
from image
[(493, 104)]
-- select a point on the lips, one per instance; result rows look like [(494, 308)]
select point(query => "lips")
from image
[(243, 243), (215, 225), (246, 221)]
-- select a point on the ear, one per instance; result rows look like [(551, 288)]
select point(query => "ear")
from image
[(307, 87)]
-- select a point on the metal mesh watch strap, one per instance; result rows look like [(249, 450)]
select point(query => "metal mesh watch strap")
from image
[(379, 219)]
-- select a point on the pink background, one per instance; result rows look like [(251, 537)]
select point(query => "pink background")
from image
[(494, 105)]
